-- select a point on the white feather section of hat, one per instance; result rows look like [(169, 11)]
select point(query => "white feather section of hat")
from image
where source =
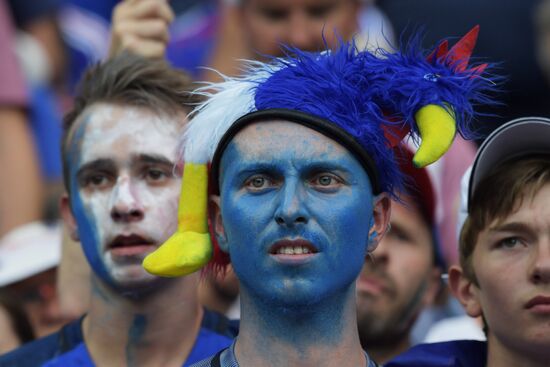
[(225, 103)]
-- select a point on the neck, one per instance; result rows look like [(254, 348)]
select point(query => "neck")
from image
[(320, 334), (213, 299), (500, 355), (383, 353), (124, 329)]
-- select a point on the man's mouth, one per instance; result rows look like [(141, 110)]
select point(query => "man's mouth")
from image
[(539, 304), (371, 284), (130, 245), (293, 250)]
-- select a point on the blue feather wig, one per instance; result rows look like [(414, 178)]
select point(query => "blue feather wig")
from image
[(368, 95)]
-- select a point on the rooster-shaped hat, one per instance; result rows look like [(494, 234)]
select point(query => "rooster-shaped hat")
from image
[(367, 101)]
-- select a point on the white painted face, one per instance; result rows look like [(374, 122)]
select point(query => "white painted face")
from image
[(124, 187)]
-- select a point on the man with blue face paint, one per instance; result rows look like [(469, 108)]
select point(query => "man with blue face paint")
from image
[(301, 175), (123, 185), (304, 200)]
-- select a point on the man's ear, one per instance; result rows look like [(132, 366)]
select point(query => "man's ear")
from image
[(380, 220), (216, 221), (465, 290), (68, 218)]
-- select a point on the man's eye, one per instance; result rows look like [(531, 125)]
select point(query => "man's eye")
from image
[(399, 235), (97, 180), (510, 242), (274, 14), (321, 11), (326, 181), (155, 175), (258, 182)]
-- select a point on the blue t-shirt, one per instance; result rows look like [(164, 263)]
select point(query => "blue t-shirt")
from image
[(457, 353), (207, 343), (67, 348)]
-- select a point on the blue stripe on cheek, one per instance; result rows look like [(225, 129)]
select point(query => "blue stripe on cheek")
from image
[(89, 238), (87, 226)]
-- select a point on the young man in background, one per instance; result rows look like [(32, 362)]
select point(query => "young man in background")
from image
[(402, 276), (122, 184), (504, 271)]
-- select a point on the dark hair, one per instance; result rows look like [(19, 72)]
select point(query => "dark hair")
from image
[(131, 80), (17, 315), (499, 194)]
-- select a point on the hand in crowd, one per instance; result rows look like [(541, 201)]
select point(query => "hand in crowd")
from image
[(141, 27)]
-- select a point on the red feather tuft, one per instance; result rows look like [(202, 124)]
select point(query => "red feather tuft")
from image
[(439, 52), (478, 70), (460, 53)]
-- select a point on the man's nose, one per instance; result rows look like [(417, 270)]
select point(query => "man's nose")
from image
[(291, 210), (125, 204), (381, 254), (300, 34), (541, 265)]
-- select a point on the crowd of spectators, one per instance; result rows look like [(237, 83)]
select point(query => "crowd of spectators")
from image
[(48, 45)]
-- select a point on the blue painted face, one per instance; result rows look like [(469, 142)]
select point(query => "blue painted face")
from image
[(124, 193), (296, 209)]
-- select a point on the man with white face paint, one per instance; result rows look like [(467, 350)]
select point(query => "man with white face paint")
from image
[(123, 185), (301, 175)]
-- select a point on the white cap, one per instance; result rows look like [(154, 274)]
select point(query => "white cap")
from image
[(520, 137), (29, 250), (463, 207)]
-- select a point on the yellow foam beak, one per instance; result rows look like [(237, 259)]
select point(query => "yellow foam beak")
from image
[(190, 248), (437, 128)]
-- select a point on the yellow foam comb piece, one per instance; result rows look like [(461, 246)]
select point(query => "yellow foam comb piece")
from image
[(190, 248), (437, 128)]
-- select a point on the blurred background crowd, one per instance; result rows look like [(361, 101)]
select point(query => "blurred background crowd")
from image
[(46, 45)]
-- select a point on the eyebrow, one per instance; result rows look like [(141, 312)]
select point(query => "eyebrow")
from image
[(96, 165), (154, 159), (246, 170), (323, 165), (512, 227), (317, 163)]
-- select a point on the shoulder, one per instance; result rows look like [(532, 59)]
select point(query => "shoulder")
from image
[(216, 333), (33, 353), (44, 349), (204, 363), (457, 353), (78, 356), (223, 358), (207, 344)]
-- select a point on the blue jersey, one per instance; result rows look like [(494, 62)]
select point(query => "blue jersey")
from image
[(67, 348), (456, 353)]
